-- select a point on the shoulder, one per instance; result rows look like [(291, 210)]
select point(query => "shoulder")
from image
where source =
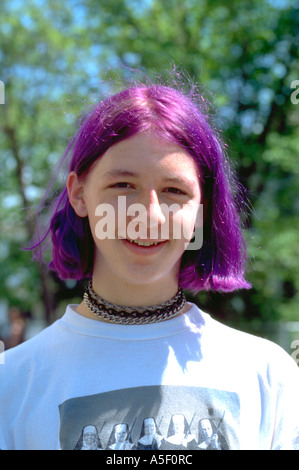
[(247, 350), (46, 343), (19, 362)]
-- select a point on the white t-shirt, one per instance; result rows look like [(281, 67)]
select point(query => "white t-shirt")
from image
[(186, 383)]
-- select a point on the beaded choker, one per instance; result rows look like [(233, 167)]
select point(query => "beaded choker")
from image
[(133, 315)]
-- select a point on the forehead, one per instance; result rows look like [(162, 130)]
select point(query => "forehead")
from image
[(178, 419), (144, 152), (148, 421), (89, 430), (205, 423), (120, 427)]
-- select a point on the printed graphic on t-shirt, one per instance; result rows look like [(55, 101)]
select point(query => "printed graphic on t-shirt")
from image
[(151, 418)]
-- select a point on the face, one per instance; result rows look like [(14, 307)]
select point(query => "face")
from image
[(206, 428), (127, 196), (178, 424), (89, 436), (120, 433), (149, 426)]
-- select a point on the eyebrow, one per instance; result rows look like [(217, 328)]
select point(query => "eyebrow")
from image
[(178, 180), (124, 173), (168, 179)]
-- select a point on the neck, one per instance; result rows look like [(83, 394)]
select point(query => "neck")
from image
[(126, 294), (120, 291)]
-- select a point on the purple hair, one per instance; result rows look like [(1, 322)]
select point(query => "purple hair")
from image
[(179, 117)]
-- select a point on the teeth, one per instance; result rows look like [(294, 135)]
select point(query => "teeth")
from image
[(142, 243)]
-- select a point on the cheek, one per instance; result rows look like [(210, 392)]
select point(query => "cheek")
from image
[(103, 220), (110, 219), (184, 222)]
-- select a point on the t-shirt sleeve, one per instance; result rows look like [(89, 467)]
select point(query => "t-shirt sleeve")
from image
[(3, 406), (12, 391), (286, 429)]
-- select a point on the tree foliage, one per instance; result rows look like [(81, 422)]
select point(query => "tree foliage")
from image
[(53, 56)]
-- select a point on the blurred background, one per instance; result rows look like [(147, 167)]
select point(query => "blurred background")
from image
[(55, 54)]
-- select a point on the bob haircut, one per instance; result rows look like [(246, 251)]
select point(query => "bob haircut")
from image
[(177, 116)]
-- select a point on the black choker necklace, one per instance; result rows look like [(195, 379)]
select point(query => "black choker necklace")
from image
[(133, 315)]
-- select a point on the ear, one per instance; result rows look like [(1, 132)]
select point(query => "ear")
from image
[(75, 189)]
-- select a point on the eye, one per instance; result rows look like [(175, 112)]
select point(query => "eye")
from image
[(121, 184), (173, 190)]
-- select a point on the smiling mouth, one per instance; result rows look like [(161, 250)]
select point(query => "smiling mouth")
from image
[(145, 243)]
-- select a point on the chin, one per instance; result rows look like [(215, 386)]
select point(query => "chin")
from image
[(146, 276), (143, 279)]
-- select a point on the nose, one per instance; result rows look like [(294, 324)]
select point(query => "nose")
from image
[(155, 216), (150, 219)]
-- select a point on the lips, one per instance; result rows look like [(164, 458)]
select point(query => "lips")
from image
[(146, 243), (144, 246)]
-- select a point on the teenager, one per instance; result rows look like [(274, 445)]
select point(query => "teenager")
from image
[(129, 221)]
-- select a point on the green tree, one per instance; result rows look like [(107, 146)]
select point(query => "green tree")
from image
[(43, 95), (245, 53)]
